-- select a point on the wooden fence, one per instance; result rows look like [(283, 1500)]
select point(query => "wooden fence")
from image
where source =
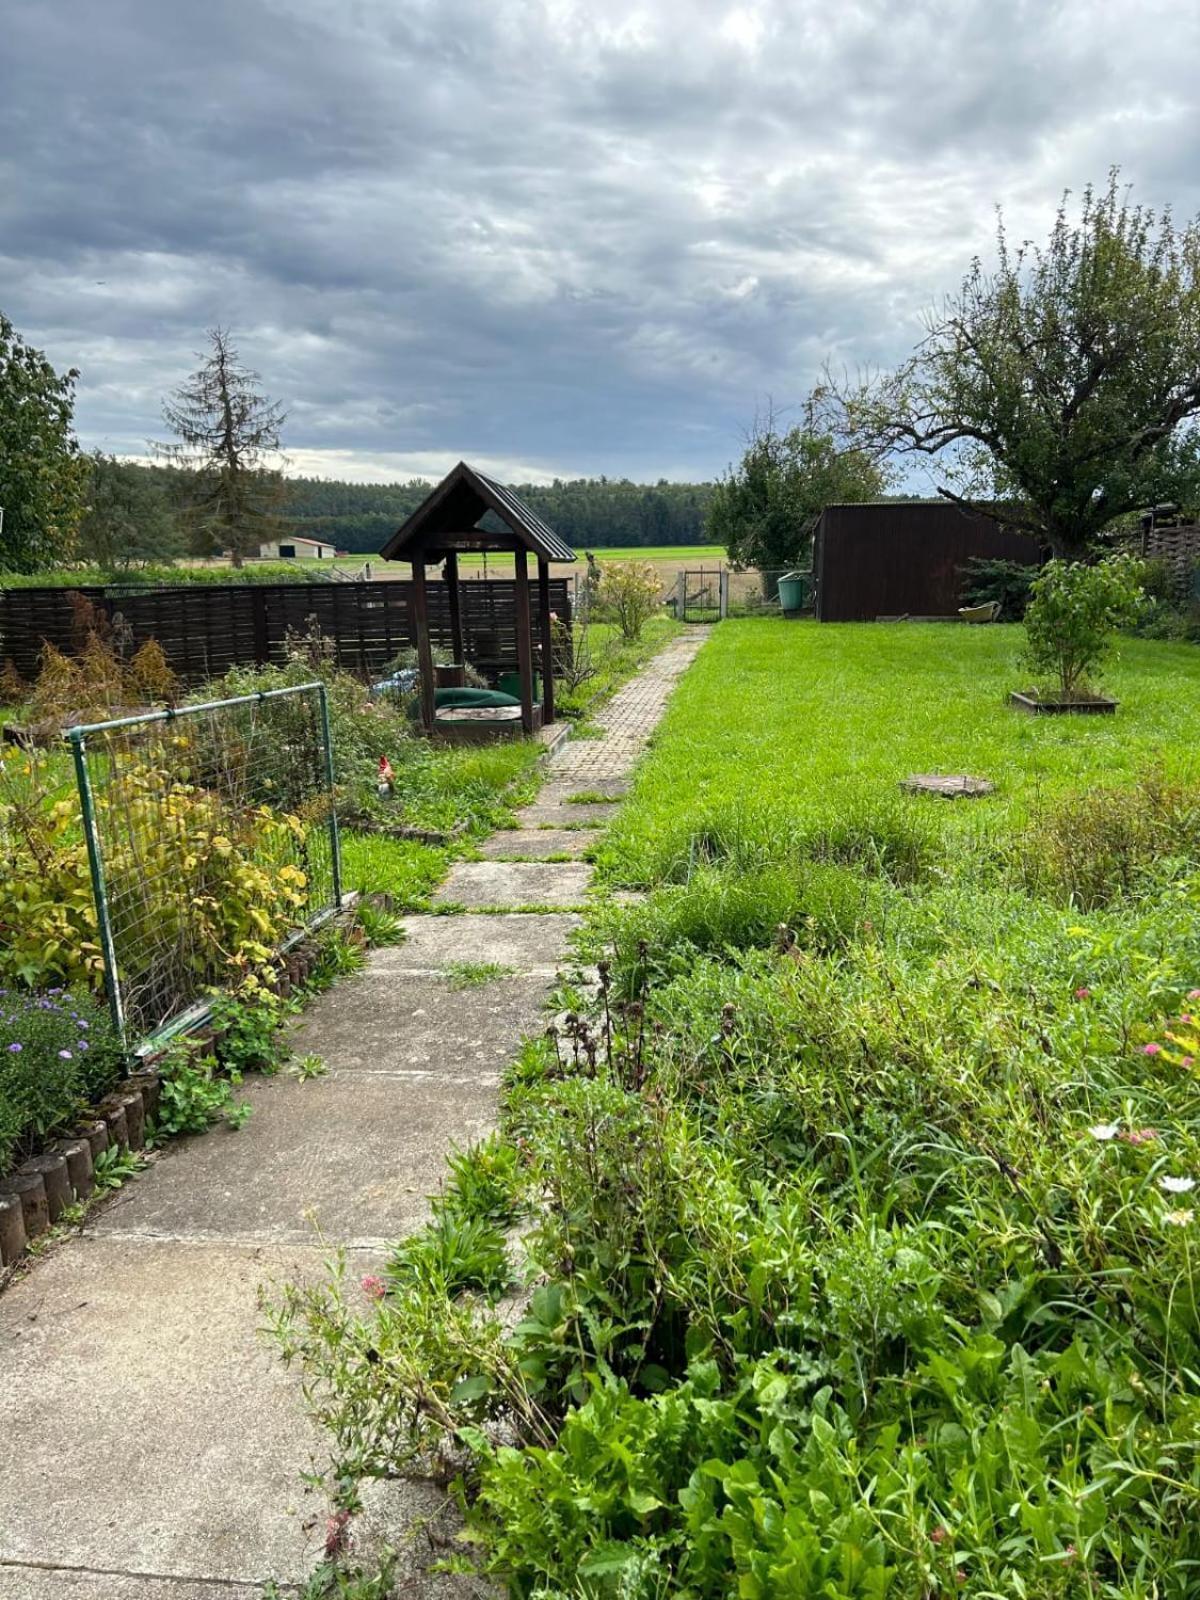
[(204, 629), (1179, 549)]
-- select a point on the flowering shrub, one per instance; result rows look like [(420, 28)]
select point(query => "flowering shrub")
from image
[(58, 1052)]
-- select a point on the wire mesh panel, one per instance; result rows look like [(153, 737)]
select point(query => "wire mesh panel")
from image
[(212, 837)]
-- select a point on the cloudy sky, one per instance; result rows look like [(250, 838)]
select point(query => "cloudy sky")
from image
[(553, 236)]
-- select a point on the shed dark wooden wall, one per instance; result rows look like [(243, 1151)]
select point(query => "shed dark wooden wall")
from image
[(903, 558), (204, 629)]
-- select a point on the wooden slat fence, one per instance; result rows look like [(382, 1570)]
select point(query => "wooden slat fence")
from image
[(1179, 548), (204, 629)]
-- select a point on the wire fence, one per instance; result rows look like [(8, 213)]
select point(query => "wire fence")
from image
[(212, 839)]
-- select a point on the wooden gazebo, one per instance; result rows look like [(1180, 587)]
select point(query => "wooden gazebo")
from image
[(446, 524)]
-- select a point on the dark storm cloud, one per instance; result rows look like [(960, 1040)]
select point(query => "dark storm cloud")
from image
[(557, 237)]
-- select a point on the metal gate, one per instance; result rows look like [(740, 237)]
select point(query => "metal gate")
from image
[(700, 594)]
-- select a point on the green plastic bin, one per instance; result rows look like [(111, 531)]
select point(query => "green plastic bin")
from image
[(791, 591)]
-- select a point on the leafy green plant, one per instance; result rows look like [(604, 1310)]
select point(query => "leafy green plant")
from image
[(475, 974), (194, 1094), (452, 1254), (247, 1023), (114, 1167), (1073, 613), (309, 1066)]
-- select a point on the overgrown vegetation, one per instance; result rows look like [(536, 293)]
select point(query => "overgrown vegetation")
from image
[(857, 1208)]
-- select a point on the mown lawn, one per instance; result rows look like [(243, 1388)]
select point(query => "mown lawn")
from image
[(859, 1211), (781, 727)]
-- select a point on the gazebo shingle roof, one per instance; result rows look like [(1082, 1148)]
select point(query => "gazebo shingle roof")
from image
[(446, 520)]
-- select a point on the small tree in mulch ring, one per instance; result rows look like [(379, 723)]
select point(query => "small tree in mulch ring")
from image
[(1069, 626)]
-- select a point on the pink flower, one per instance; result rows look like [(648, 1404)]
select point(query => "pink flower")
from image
[(1083, 994), (1139, 1135), (938, 1535), (373, 1286), (1188, 1061), (1193, 994), (1152, 1049), (1185, 1016)]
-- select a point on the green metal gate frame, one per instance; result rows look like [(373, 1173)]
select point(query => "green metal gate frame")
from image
[(78, 738)]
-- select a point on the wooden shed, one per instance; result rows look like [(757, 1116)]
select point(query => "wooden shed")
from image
[(894, 558), (447, 524)]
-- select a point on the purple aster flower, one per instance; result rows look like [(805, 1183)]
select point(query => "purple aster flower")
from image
[(14, 1049), (66, 1055)]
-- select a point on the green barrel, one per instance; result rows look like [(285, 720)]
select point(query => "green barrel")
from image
[(791, 591)]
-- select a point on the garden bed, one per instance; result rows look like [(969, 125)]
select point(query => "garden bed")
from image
[(1048, 706)]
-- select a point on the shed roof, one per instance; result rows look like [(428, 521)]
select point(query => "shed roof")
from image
[(447, 520)]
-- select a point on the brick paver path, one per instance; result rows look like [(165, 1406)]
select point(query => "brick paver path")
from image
[(629, 718), (152, 1444)]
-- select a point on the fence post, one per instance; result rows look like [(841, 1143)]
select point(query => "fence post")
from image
[(335, 841), (722, 593), (83, 779), (681, 595)]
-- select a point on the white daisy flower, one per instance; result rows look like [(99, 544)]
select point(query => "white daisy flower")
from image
[(1105, 1130), (1177, 1185), (1178, 1219)]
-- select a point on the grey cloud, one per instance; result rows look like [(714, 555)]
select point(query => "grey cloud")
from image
[(577, 237)]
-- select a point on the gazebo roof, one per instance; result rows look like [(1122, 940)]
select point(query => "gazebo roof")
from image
[(447, 519)]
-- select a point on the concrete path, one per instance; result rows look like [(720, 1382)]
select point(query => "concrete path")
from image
[(152, 1443)]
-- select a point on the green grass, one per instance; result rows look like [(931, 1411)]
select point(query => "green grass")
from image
[(781, 730)]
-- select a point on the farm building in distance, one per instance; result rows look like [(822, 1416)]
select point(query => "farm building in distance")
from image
[(294, 547), (904, 558)]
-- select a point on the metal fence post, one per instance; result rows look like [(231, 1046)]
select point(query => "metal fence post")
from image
[(87, 806), (335, 842)]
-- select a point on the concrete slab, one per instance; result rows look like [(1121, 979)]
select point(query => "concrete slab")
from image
[(41, 1583), (421, 1025), (147, 1426), (353, 1154), (558, 789), (556, 815), (527, 941), (515, 883), (536, 844)]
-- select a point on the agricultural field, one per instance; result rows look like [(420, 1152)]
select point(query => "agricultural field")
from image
[(859, 1208), (666, 559)]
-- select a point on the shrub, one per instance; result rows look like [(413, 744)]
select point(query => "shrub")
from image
[(58, 1052), (1074, 611), (1008, 582), (47, 915), (630, 593), (1090, 848)]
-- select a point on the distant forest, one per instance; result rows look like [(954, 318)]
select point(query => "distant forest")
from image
[(587, 512)]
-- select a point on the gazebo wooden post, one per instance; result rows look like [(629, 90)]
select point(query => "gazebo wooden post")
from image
[(547, 629), (420, 608), (455, 601), (524, 639)]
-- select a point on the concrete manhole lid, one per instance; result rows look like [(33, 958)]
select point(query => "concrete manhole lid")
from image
[(951, 786)]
